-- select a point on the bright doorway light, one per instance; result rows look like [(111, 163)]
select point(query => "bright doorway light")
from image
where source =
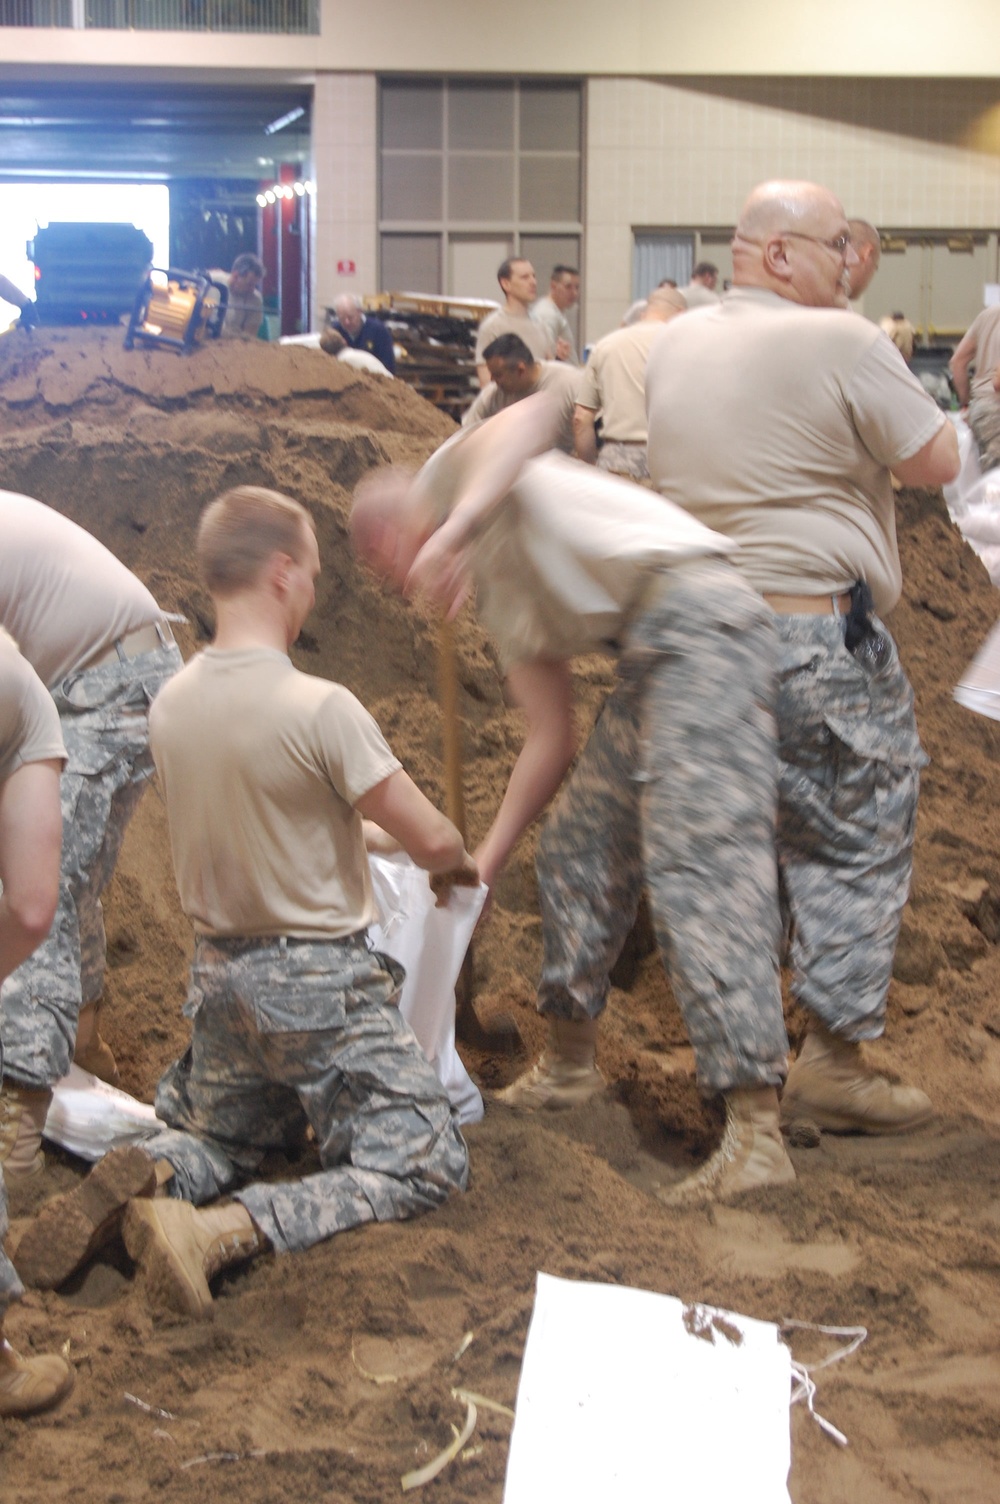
[(27, 207)]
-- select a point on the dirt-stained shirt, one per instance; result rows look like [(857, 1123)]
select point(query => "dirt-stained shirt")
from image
[(29, 721), (64, 597), (614, 380), (261, 767), (565, 561), (778, 425)]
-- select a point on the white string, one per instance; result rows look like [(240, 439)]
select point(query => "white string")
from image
[(803, 1384)]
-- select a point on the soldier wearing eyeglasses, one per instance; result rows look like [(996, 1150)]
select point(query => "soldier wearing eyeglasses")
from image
[(776, 419)]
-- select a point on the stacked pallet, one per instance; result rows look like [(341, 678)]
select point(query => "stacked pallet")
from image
[(435, 340)]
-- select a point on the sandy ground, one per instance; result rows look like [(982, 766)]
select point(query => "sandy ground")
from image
[(327, 1375)]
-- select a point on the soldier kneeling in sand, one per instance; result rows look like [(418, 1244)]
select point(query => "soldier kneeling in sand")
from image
[(267, 773)]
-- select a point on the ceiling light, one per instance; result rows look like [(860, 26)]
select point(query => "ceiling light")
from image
[(283, 120)]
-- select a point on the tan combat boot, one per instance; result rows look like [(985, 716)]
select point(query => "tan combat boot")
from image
[(22, 1118), (565, 1075), (179, 1248), (92, 1053), (751, 1155), (69, 1229), (830, 1085), (28, 1385)]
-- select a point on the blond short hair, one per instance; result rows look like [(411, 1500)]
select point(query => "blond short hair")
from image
[(240, 531)]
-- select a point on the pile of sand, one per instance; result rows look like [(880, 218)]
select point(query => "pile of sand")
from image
[(900, 1236)]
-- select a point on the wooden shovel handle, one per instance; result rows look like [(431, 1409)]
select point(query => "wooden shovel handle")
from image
[(450, 729)]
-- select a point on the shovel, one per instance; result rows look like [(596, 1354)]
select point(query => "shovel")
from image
[(501, 1036)]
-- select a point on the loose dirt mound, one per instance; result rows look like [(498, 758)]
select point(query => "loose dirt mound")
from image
[(278, 1391)]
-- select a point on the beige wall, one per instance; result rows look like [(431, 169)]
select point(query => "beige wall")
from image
[(853, 37), (684, 154), (345, 169)]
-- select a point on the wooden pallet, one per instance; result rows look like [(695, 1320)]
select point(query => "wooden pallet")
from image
[(435, 338)]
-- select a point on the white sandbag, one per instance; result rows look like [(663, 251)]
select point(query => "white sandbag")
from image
[(963, 490), (979, 687), (629, 1395), (88, 1117), (430, 943), (973, 501), (981, 523)]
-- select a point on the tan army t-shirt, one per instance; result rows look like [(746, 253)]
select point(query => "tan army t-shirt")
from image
[(561, 381), (261, 768), (29, 721), (614, 380), (986, 328), (64, 597), (563, 565), (535, 336), (778, 425)]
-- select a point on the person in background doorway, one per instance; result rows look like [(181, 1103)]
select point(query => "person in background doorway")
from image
[(519, 286), (700, 291), (551, 311), (362, 332), (245, 308), (902, 333)]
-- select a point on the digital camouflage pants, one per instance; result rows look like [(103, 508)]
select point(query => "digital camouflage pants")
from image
[(10, 1286), (624, 459), (290, 1034), (677, 786), (103, 718), (850, 772)]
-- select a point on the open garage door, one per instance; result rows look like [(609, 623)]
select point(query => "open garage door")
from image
[(215, 147)]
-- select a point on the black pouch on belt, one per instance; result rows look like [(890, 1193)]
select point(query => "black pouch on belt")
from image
[(862, 638)]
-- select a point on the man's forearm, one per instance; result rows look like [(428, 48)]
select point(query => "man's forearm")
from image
[(959, 367), (11, 294), (585, 433), (543, 690), (30, 844)]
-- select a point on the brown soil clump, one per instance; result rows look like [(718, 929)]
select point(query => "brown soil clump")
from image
[(278, 1397)]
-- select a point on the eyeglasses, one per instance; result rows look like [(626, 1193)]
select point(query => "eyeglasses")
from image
[(839, 245)]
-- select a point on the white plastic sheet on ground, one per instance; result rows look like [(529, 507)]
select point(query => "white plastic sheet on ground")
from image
[(88, 1117), (430, 943), (974, 501), (630, 1396)]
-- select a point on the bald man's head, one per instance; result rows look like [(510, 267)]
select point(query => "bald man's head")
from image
[(390, 520), (664, 303), (792, 238)]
